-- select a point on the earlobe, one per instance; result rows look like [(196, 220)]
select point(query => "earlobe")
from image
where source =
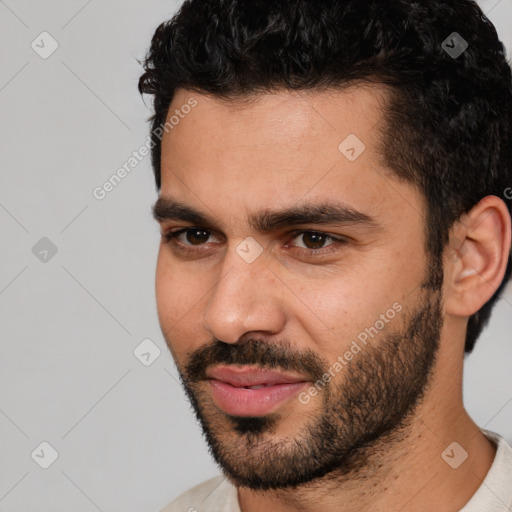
[(479, 250)]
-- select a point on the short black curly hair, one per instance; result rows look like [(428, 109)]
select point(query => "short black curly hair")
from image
[(449, 119)]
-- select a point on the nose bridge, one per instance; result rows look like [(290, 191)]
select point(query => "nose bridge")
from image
[(244, 298)]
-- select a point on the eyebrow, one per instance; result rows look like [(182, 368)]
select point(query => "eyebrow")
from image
[(267, 221)]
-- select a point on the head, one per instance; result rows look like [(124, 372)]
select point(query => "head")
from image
[(349, 115)]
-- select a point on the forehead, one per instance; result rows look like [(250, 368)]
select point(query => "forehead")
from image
[(276, 149), (279, 117)]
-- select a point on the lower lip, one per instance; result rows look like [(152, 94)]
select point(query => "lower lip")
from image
[(252, 402)]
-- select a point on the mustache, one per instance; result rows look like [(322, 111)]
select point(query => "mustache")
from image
[(254, 352)]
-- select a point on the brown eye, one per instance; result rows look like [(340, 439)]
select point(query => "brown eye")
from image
[(196, 236), (313, 239), (188, 237)]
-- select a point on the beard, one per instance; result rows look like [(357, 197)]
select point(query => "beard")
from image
[(357, 415)]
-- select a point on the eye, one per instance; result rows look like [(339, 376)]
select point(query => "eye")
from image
[(314, 240), (189, 241), (187, 237)]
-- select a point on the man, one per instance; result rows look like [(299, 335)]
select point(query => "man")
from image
[(335, 231)]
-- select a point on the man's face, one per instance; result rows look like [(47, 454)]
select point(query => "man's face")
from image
[(301, 338)]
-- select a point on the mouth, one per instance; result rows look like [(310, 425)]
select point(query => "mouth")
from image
[(249, 391)]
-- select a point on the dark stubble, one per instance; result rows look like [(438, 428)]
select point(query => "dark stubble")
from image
[(371, 401)]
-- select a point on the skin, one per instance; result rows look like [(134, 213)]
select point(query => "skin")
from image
[(232, 159)]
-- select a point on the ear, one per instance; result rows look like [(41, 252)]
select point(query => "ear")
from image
[(476, 257)]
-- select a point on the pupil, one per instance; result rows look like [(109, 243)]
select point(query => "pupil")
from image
[(316, 239), (197, 236)]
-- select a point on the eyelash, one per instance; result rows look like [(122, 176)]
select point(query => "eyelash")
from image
[(170, 237)]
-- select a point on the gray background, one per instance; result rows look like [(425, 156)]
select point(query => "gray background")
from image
[(124, 433)]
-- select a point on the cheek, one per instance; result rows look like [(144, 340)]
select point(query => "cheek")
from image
[(163, 286), (335, 313), (174, 293), (180, 298)]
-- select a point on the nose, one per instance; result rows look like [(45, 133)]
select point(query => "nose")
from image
[(247, 298)]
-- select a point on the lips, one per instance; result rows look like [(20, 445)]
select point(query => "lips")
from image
[(248, 377), (250, 391)]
